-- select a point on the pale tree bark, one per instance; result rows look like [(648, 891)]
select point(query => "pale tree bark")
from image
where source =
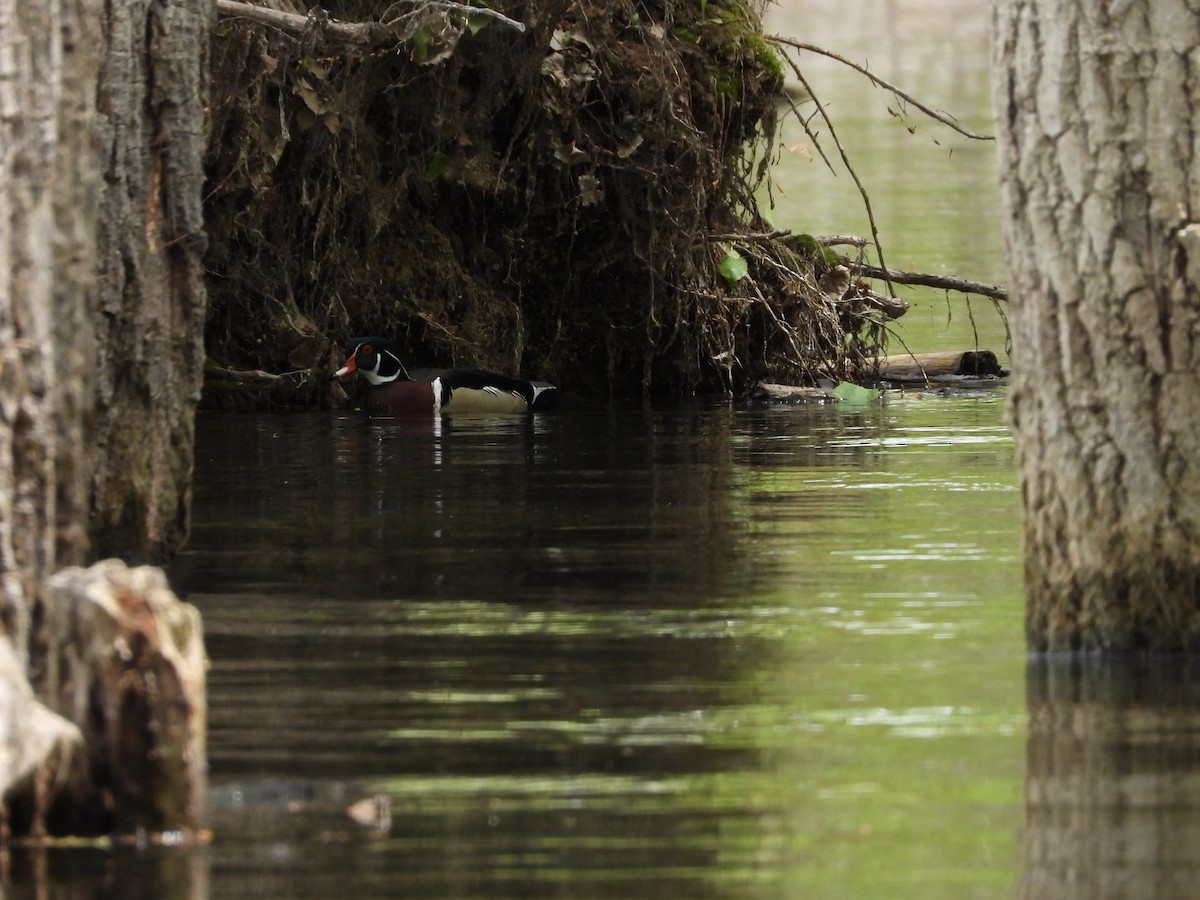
[(101, 353), (49, 190), (1098, 109)]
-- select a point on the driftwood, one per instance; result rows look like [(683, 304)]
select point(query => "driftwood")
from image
[(127, 666), (956, 368), (791, 393), (952, 364)]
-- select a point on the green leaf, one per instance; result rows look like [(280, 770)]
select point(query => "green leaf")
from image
[(733, 267), (853, 395), (439, 164), (476, 23), (420, 45)]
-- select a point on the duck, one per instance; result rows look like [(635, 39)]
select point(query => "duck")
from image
[(393, 391)]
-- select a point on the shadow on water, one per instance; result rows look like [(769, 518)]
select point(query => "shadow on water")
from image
[(515, 630), (685, 650), (691, 651), (1112, 788)]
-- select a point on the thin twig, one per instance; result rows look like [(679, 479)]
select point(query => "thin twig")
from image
[(358, 34), (946, 282), (944, 118), (251, 376), (924, 279), (476, 11), (834, 240), (752, 236), (781, 326), (849, 168), (895, 334), (811, 135)]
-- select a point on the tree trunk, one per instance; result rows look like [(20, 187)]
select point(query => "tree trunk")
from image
[(1098, 108), (99, 375), (153, 90), (49, 189)]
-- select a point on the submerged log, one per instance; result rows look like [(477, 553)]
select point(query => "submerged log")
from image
[(922, 367), (127, 666), (792, 393)]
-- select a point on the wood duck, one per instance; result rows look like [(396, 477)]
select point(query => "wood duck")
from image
[(394, 392)]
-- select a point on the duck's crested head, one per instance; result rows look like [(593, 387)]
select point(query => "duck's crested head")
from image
[(377, 359)]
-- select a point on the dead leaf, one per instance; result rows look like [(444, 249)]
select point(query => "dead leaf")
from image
[(570, 154), (627, 149), (560, 40), (311, 98), (801, 147), (590, 192)]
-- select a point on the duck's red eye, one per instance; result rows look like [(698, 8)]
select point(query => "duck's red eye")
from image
[(366, 348)]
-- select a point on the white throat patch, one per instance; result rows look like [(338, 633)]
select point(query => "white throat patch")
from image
[(372, 375)]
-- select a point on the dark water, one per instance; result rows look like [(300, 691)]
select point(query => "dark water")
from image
[(684, 651), (625, 653)]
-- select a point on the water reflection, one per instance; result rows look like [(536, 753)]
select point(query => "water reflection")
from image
[(650, 649), (688, 649), (1112, 793)]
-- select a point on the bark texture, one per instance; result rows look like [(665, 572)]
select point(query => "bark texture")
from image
[(101, 303), (129, 669), (153, 91), (1098, 109), (49, 189)]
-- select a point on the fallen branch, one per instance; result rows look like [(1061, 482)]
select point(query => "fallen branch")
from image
[(946, 282), (924, 279), (791, 393), (749, 236), (477, 11), (250, 376), (362, 34), (354, 34), (946, 119), (835, 240)]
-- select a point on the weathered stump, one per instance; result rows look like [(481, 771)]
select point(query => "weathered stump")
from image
[(36, 746), (125, 662)]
